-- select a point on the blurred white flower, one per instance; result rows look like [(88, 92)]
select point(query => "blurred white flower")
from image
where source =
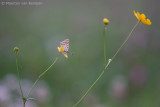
[(19, 103), (11, 81), (41, 92), (26, 86), (4, 93), (119, 87), (10, 95)]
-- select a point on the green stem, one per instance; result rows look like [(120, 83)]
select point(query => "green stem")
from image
[(106, 67), (42, 75), (125, 40), (19, 76), (104, 37), (92, 85), (24, 104)]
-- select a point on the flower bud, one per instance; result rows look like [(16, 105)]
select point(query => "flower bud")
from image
[(105, 21), (109, 60), (16, 49)]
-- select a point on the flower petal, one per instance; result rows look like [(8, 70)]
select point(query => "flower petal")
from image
[(60, 49), (143, 21), (148, 22), (139, 16), (135, 14), (143, 16), (65, 54)]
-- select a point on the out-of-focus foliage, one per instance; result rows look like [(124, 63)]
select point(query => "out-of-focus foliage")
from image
[(133, 78)]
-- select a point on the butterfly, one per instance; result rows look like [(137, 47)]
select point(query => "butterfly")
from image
[(64, 47)]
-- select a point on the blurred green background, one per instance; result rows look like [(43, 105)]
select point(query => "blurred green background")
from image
[(132, 80)]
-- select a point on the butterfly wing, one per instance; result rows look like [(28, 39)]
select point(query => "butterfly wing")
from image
[(65, 45)]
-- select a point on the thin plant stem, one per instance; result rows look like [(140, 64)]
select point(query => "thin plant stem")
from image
[(24, 103), (106, 67), (92, 85), (104, 38), (42, 75), (125, 40), (19, 76)]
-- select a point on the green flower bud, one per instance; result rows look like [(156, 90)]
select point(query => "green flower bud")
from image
[(16, 49)]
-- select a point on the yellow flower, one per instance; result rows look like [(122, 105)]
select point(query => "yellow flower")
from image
[(105, 21), (60, 49), (142, 18)]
